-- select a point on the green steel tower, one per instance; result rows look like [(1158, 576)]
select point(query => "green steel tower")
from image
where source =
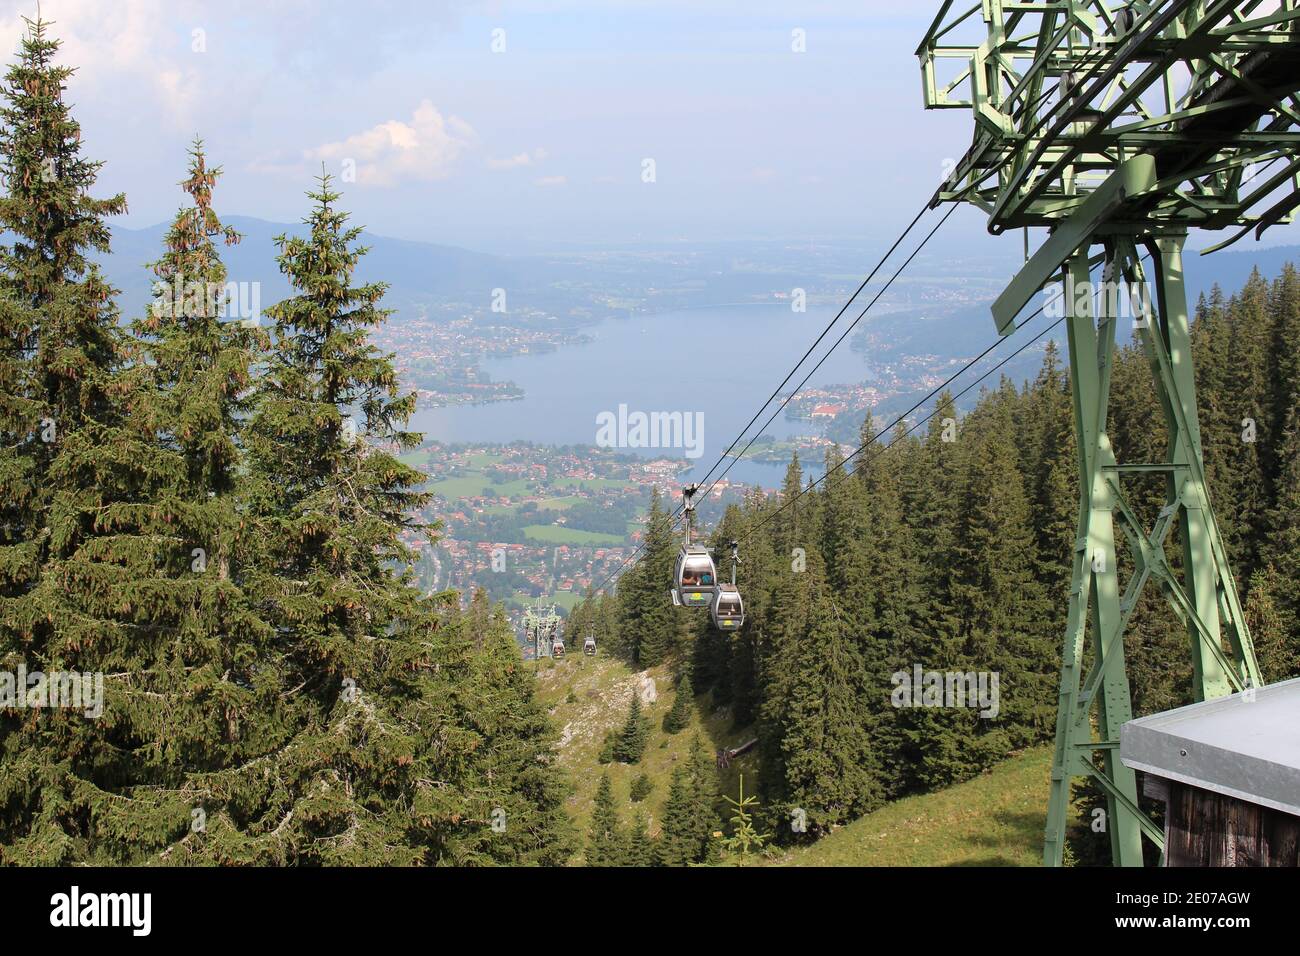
[(1122, 126)]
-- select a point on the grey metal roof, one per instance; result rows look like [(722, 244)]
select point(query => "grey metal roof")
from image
[(1248, 749)]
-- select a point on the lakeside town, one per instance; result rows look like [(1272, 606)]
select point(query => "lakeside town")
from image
[(525, 521), (440, 359)]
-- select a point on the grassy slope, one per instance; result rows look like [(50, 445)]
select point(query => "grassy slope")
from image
[(995, 819), (601, 692), (554, 534)]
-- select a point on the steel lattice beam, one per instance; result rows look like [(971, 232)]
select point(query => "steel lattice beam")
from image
[(1063, 92), (1126, 125)]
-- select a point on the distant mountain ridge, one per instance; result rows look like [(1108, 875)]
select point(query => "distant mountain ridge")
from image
[(413, 269), (423, 273)]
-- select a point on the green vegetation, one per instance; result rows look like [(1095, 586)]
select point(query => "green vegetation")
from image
[(745, 837), (589, 697), (226, 551), (996, 819), (565, 599), (679, 717), (557, 534), (472, 486), (629, 743), (641, 788), (605, 841), (595, 484), (949, 551)]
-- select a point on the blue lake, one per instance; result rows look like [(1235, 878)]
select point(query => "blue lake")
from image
[(719, 361)]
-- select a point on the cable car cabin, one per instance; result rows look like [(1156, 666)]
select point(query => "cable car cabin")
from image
[(557, 648), (728, 609), (589, 647), (695, 577)]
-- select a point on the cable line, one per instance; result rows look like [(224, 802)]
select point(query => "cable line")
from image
[(843, 336), (777, 391)]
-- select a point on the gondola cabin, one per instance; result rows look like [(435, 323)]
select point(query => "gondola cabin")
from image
[(589, 647), (695, 578), (557, 649), (728, 609)]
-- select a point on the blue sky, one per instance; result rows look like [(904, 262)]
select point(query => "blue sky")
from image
[(540, 143), (456, 143)]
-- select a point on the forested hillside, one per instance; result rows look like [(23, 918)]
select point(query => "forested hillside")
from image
[(207, 521), (205, 517), (950, 550)]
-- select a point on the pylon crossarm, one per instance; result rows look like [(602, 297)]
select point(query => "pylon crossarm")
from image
[(1259, 23), (1255, 92), (1151, 831), (1018, 193)]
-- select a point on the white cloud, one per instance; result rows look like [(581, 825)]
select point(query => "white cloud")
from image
[(130, 47), (519, 159), (510, 162), (425, 148), (551, 180)]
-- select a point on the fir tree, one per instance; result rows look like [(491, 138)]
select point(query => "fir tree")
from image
[(704, 791), (678, 717), (745, 837), (631, 740), (639, 848), (677, 844), (830, 770), (641, 787), (81, 538), (648, 625), (605, 845)]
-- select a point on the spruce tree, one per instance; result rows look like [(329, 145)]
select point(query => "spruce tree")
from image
[(631, 740), (678, 717), (383, 693), (605, 846), (638, 848), (648, 624), (509, 765), (703, 773), (690, 816), (677, 844), (830, 770), (641, 787), (900, 605), (81, 538)]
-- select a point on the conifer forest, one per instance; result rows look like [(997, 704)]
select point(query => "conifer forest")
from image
[(332, 584)]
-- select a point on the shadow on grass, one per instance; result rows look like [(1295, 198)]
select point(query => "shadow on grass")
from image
[(1009, 827)]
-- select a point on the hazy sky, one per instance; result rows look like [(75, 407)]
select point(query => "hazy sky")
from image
[(543, 141), (454, 142)]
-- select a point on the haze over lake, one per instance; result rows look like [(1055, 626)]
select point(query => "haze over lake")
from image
[(713, 360)]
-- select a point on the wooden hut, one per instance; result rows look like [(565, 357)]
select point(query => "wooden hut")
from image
[(1228, 772)]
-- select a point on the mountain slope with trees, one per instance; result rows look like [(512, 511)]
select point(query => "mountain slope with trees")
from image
[(204, 517), (948, 550)]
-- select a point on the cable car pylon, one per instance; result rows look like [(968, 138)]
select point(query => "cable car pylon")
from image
[(1124, 125)]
